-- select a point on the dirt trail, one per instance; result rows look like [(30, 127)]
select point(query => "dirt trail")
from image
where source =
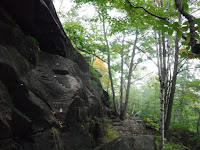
[(130, 126)]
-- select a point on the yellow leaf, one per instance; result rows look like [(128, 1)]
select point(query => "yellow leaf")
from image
[(188, 39), (98, 63), (182, 50)]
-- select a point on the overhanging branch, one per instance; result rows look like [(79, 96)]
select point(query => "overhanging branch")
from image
[(193, 42), (90, 54), (87, 52), (152, 14)]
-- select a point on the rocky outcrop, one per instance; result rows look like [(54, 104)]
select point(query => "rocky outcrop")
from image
[(38, 18), (143, 142), (47, 91)]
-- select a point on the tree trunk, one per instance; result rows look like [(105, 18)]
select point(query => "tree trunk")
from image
[(173, 88), (122, 80), (162, 116), (112, 86), (162, 73), (123, 115), (109, 65)]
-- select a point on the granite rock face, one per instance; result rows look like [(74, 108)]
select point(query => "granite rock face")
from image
[(46, 87)]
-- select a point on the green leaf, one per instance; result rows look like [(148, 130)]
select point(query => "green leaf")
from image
[(164, 29), (170, 31), (179, 33), (185, 28), (184, 43), (175, 25), (185, 5), (197, 36), (188, 48), (197, 20)]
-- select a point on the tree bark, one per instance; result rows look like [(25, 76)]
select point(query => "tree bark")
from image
[(109, 65), (123, 115), (162, 73), (162, 116), (122, 80), (173, 88)]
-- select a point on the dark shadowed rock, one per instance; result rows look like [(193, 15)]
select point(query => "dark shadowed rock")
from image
[(144, 142), (46, 88), (38, 19)]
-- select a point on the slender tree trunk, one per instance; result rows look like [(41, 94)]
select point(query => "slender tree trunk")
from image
[(161, 58), (109, 65), (163, 88), (112, 85), (164, 72), (122, 80), (123, 115), (173, 88), (162, 116)]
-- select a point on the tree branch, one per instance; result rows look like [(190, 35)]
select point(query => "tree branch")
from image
[(88, 52), (152, 14), (147, 56), (193, 42), (143, 77)]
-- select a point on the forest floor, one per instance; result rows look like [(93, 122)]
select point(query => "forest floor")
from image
[(178, 140), (132, 126)]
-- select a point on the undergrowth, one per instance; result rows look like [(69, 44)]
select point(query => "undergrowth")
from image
[(110, 135), (170, 145)]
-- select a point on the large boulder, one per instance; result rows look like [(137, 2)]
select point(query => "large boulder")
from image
[(47, 91), (144, 142)]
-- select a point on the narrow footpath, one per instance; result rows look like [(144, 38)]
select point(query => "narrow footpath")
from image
[(131, 126)]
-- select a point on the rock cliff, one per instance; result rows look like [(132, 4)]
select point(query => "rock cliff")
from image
[(47, 91)]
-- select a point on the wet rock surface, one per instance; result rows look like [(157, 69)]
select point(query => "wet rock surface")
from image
[(143, 142), (46, 88)]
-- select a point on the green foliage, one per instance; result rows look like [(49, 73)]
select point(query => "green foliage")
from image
[(152, 124), (186, 104), (94, 84), (105, 130), (170, 145), (85, 40), (110, 135), (95, 72), (78, 35), (147, 99), (195, 142)]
